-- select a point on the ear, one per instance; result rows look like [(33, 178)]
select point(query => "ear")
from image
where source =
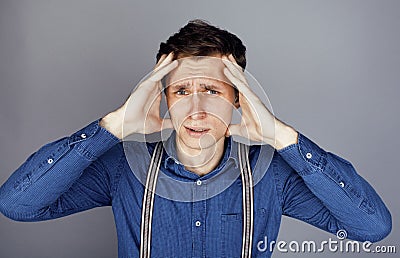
[(236, 102), (166, 99)]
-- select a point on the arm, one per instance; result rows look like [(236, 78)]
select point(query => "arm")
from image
[(325, 190), (322, 188), (61, 178), (66, 176)]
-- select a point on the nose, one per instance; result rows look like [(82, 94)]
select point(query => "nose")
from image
[(196, 107)]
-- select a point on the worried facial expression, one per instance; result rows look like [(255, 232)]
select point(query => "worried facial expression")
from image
[(200, 100)]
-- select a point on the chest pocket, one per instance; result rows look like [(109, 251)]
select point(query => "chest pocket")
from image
[(232, 232)]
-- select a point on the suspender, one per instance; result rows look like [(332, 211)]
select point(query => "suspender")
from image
[(148, 201), (149, 191), (247, 188)]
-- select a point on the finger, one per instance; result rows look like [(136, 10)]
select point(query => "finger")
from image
[(153, 82), (167, 59), (234, 68), (159, 86), (166, 124), (162, 71), (233, 60), (241, 69), (155, 104), (247, 98), (233, 129), (161, 60), (242, 87)]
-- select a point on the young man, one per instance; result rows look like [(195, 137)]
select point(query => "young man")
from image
[(195, 195)]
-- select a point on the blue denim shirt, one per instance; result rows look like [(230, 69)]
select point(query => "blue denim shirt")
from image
[(90, 169)]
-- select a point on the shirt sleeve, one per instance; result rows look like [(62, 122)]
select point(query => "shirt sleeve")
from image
[(61, 178), (325, 190)]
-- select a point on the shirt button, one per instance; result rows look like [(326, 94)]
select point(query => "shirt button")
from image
[(198, 223), (50, 161), (198, 182), (83, 136), (341, 183), (308, 155)]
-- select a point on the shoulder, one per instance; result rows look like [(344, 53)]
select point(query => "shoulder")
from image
[(123, 149), (269, 158)]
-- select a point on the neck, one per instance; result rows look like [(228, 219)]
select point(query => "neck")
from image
[(200, 161)]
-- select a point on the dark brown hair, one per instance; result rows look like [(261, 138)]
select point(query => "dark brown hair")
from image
[(199, 38)]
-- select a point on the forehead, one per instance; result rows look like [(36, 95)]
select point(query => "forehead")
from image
[(200, 67)]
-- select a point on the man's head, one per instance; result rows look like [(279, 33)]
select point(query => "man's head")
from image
[(200, 98), (198, 38)]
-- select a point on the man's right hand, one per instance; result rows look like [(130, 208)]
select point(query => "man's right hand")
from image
[(141, 111)]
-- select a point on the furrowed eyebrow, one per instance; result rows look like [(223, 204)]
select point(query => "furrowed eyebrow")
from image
[(209, 85), (187, 85), (180, 86)]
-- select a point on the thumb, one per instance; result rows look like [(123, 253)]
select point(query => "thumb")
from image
[(233, 129), (166, 124)]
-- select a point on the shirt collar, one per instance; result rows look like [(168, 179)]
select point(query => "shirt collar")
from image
[(230, 152)]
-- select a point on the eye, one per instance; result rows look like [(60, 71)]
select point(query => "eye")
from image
[(181, 92), (212, 92)]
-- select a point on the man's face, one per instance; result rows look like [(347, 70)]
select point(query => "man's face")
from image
[(200, 101)]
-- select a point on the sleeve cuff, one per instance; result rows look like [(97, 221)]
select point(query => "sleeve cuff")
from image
[(306, 157), (93, 140)]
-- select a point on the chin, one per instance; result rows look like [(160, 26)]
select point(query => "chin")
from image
[(195, 143), (205, 142)]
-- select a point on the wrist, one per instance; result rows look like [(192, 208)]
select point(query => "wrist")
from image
[(285, 135), (112, 122)]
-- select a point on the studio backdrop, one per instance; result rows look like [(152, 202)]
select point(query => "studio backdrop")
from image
[(330, 69)]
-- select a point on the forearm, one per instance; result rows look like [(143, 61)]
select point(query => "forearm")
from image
[(50, 172), (285, 135), (351, 200), (335, 182)]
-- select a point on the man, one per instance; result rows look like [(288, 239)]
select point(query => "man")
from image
[(196, 194)]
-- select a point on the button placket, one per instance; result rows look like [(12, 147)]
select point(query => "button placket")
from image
[(198, 217)]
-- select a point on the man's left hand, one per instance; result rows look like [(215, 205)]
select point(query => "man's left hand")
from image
[(257, 123)]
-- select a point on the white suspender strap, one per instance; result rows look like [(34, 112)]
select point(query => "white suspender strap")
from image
[(248, 200), (149, 191), (148, 201)]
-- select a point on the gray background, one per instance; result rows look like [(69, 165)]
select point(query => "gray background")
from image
[(330, 68)]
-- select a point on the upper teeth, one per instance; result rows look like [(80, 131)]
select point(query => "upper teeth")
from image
[(198, 130)]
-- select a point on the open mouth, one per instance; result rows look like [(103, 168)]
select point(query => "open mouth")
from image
[(196, 131)]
